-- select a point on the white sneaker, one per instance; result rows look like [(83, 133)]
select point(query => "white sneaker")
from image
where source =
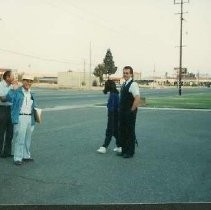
[(102, 150), (118, 149)]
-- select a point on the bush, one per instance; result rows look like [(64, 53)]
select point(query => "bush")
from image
[(94, 83), (83, 83)]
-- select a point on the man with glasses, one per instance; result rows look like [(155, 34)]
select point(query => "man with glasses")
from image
[(129, 102), (22, 114)]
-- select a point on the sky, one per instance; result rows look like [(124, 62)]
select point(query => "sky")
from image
[(50, 36)]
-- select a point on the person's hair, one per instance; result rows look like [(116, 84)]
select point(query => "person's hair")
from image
[(110, 86), (7, 74), (130, 68)]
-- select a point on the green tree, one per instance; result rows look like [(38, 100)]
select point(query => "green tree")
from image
[(110, 67), (99, 71)]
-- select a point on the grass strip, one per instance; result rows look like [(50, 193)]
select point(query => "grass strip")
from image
[(189, 101)]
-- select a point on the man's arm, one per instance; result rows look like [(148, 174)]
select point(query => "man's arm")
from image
[(8, 97), (136, 103), (134, 89)]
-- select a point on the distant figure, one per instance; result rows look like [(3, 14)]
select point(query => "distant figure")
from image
[(129, 102), (22, 112), (6, 126), (112, 123)]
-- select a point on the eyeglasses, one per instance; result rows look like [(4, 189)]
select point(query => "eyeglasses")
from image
[(126, 73)]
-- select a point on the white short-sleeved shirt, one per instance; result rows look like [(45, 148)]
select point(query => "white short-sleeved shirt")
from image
[(4, 89), (134, 88)]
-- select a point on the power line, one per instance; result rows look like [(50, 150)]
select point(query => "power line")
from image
[(82, 17), (101, 21), (38, 57)]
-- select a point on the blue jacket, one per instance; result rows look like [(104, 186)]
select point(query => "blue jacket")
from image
[(16, 98), (113, 102)]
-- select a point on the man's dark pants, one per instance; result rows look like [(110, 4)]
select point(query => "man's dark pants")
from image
[(127, 120), (6, 130)]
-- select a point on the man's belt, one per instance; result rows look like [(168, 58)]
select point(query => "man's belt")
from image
[(24, 114)]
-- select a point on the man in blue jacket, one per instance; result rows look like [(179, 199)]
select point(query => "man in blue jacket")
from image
[(22, 114)]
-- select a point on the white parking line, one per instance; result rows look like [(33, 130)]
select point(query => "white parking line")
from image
[(176, 109), (60, 108)]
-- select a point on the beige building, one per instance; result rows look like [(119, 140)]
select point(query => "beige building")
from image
[(136, 76), (71, 79)]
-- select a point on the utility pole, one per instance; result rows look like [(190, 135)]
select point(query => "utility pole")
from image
[(154, 77), (84, 79), (198, 78), (181, 2), (90, 64)]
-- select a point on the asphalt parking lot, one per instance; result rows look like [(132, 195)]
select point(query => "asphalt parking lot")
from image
[(171, 164)]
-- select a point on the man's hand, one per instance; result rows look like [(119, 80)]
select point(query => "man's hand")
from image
[(15, 84)]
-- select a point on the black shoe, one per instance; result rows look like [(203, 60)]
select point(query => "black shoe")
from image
[(127, 156), (28, 159), (18, 162)]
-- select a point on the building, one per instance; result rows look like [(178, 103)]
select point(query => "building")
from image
[(136, 76), (48, 80), (71, 79)]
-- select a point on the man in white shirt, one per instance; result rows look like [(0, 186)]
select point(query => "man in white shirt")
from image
[(129, 102), (6, 127)]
